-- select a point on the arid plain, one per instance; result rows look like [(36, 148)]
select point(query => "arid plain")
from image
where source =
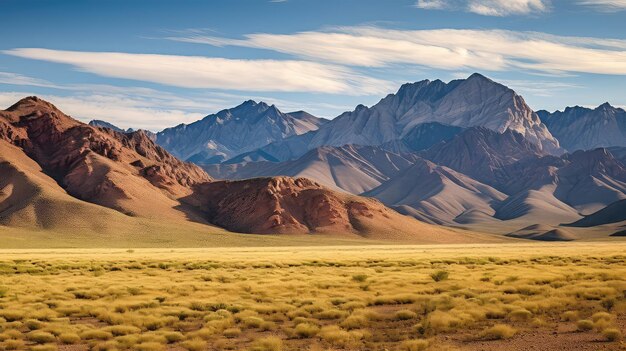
[(513, 296)]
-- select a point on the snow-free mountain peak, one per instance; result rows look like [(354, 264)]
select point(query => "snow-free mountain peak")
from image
[(234, 131), (473, 102), (581, 128)]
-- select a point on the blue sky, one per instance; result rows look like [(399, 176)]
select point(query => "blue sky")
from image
[(154, 63)]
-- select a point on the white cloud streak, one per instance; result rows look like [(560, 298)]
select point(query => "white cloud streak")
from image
[(138, 107), (488, 7), (605, 5), (449, 49), (214, 73), (121, 110)]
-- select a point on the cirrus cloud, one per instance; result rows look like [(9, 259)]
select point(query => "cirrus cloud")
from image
[(488, 7), (214, 73), (449, 49), (605, 5)]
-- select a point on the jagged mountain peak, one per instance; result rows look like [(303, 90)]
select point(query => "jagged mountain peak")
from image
[(475, 101), (582, 128), (605, 106), (234, 131)]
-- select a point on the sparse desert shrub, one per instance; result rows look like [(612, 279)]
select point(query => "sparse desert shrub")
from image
[(231, 333), (106, 346), (14, 345), (441, 321), (404, 315), (33, 324), (119, 330), (612, 334), (439, 275), (498, 332), (306, 330), (149, 346), (96, 334), (172, 337), (359, 278), (69, 338), (270, 343), (46, 347), (330, 314), (354, 322), (10, 334), (569, 316), (584, 325), (194, 344), (414, 345), (538, 323), (40, 337), (334, 335), (11, 315), (602, 316), (253, 322), (520, 315)]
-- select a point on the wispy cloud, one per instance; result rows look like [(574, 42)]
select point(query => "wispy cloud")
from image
[(450, 49), (432, 4), (605, 5), (488, 7), (122, 110), (214, 73), (139, 107), (18, 79)]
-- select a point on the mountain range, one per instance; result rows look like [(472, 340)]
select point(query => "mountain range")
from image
[(425, 164), (580, 128), (65, 177)]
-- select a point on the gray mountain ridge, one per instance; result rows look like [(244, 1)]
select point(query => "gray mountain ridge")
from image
[(581, 128), (234, 131)]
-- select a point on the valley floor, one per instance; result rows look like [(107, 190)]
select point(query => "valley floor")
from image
[(511, 296)]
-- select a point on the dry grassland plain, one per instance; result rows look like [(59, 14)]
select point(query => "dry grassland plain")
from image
[(568, 296)]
